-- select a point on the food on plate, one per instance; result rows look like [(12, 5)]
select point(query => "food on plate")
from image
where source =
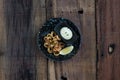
[(66, 50), (53, 43), (66, 33)]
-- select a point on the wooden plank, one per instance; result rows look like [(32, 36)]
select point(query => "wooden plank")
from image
[(20, 56), (2, 40), (83, 65), (108, 28), (38, 19)]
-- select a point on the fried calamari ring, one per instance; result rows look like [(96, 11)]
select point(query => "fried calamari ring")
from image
[(56, 53), (52, 43)]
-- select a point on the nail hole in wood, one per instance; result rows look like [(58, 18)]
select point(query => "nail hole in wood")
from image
[(111, 48), (102, 55), (63, 78), (51, 5), (80, 11)]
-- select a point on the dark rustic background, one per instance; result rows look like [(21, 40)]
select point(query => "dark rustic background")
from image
[(97, 59)]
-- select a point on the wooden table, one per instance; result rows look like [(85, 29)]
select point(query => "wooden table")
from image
[(97, 59)]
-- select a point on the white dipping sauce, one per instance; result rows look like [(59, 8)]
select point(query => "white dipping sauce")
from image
[(66, 33)]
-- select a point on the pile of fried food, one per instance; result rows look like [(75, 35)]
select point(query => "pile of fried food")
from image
[(53, 43)]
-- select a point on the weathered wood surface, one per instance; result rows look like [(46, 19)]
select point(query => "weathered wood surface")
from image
[(20, 60), (20, 21), (108, 29), (2, 41)]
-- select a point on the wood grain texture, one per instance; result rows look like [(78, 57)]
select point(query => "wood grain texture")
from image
[(2, 40), (20, 55), (38, 19), (108, 30), (20, 21)]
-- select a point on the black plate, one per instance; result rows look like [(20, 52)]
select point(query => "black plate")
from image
[(55, 24)]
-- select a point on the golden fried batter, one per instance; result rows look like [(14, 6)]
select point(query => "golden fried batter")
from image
[(53, 43)]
